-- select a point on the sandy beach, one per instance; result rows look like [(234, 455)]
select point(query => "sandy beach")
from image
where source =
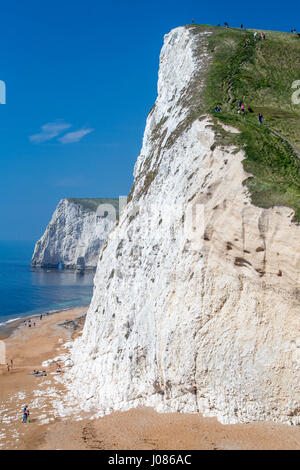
[(56, 427)]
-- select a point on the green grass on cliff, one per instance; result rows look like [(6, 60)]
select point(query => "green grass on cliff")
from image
[(261, 75), (92, 204)]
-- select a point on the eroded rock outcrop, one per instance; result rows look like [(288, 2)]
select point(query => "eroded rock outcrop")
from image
[(77, 231), (194, 313)]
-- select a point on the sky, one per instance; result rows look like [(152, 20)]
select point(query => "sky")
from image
[(81, 78)]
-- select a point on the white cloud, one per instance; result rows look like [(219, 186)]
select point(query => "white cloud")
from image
[(49, 131), (75, 136)]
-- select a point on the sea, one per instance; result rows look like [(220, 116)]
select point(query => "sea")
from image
[(27, 292)]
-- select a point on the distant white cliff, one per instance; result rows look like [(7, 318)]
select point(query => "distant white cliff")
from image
[(77, 231), (193, 312)]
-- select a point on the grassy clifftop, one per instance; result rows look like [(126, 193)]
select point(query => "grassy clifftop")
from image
[(260, 74), (92, 204)]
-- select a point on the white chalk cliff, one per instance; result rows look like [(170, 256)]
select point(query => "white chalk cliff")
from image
[(191, 316), (77, 231)]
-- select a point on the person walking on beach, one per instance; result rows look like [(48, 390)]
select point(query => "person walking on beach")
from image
[(11, 363), (25, 414), (7, 365)]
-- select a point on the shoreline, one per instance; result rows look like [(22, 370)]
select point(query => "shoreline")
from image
[(8, 327), (27, 350)]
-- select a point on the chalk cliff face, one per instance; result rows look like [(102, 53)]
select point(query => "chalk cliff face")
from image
[(75, 234), (197, 292)]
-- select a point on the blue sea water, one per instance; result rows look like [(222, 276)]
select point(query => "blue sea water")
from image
[(25, 291)]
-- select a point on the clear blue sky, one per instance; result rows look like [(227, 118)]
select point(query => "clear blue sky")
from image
[(89, 69)]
